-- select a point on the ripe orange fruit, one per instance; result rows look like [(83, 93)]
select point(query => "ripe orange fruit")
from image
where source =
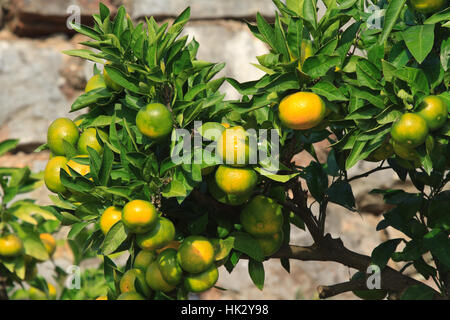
[(10, 246), (139, 216), (262, 216), (433, 109), (89, 139), (236, 181), (161, 235), (369, 294), (427, 6), (196, 254), (59, 130), (221, 196), (155, 121), (49, 243), (169, 267), (130, 296), (127, 282), (52, 174), (410, 130), (143, 259), (109, 217), (96, 82), (233, 146), (301, 110), (203, 281), (80, 168), (270, 244), (155, 279)]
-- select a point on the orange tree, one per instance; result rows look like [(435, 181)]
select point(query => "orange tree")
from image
[(179, 221), (25, 229)]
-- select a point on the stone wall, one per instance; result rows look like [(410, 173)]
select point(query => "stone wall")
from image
[(38, 84)]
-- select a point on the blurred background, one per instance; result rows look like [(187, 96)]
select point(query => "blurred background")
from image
[(38, 84)]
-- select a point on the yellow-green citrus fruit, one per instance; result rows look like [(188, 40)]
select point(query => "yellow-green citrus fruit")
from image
[(369, 294), (49, 243), (203, 281), (270, 244), (233, 146), (433, 109), (139, 216), (127, 282), (405, 152), (96, 82), (10, 246), (383, 152), (102, 298), (78, 167), (52, 174), (196, 254), (143, 259), (427, 6), (59, 130), (89, 139), (109, 82), (37, 294), (109, 217), (221, 196), (155, 279), (161, 235), (301, 111), (154, 121), (262, 216), (237, 181), (130, 296), (410, 130), (169, 267)]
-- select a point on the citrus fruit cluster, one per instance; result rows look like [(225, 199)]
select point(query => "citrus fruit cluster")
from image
[(412, 129), (189, 264), (12, 246), (63, 137)]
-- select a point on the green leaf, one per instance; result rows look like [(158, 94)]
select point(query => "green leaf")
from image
[(211, 130), (26, 212), (114, 238), (283, 178), (382, 253), (91, 33), (438, 243), (107, 163), (8, 145), (97, 96), (256, 272), (266, 30), (329, 91), (439, 17), (246, 244), (316, 179), (393, 11), (76, 229), (340, 192), (121, 79), (419, 40), (418, 292), (318, 66), (84, 54)]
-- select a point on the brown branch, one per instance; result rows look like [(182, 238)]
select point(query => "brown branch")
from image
[(3, 292), (333, 250), (331, 291)]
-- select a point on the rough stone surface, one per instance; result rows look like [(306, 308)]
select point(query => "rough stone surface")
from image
[(230, 42), (42, 17), (31, 85), (201, 9)]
